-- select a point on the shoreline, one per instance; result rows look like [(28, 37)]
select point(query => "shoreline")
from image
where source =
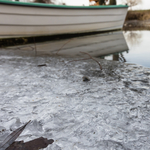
[(136, 25)]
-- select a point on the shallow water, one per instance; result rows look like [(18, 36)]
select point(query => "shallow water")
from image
[(139, 48), (95, 45), (129, 46)]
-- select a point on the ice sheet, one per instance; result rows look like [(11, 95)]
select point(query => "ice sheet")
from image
[(109, 112)]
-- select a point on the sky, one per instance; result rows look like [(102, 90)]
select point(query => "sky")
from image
[(145, 3)]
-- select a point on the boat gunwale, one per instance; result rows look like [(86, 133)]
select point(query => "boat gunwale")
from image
[(43, 5)]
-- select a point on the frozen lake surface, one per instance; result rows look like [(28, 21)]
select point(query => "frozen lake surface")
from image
[(109, 112)]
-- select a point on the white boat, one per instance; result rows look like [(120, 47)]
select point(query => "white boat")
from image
[(26, 19)]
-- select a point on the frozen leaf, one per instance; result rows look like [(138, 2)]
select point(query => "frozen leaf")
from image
[(35, 144), (12, 137)]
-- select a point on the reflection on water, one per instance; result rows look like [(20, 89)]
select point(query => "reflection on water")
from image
[(133, 38), (139, 48), (96, 45), (119, 57), (129, 46)]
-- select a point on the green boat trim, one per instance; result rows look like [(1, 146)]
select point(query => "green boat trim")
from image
[(16, 3)]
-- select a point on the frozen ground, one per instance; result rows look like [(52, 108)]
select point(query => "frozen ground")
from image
[(109, 112)]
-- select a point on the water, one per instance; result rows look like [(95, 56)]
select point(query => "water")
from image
[(129, 46), (139, 48), (96, 45)]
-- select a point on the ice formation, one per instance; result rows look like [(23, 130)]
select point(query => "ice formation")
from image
[(108, 112)]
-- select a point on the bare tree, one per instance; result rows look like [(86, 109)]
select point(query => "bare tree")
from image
[(132, 3)]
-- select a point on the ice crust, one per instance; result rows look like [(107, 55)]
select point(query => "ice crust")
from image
[(109, 112)]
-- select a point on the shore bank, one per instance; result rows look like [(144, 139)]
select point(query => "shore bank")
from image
[(138, 15), (136, 25), (109, 111), (137, 20)]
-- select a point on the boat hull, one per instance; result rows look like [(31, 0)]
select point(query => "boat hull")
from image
[(18, 19)]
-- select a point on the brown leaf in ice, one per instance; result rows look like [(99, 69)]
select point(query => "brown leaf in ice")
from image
[(35, 144), (12, 137)]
